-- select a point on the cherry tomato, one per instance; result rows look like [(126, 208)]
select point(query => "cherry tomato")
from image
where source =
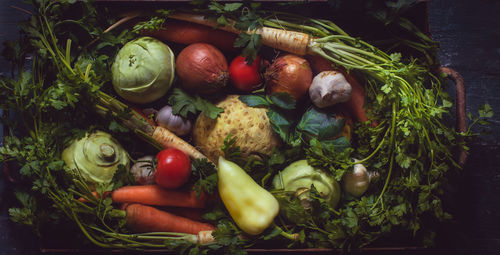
[(243, 76), (173, 168)]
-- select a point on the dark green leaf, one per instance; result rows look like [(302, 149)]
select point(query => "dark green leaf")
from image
[(242, 40), (254, 100), (117, 127), (231, 7), (221, 20), (338, 145), (280, 124), (184, 104), (321, 124), (283, 100)]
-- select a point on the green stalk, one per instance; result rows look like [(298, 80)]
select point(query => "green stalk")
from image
[(287, 235), (86, 233), (359, 51), (160, 236), (353, 57), (323, 54), (374, 152), (329, 25), (391, 162), (281, 23), (353, 41)]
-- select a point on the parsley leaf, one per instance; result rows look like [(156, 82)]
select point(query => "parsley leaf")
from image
[(184, 105)]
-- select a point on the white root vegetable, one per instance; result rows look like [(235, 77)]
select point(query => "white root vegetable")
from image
[(329, 88), (143, 170), (357, 182), (175, 123), (166, 138), (291, 41)]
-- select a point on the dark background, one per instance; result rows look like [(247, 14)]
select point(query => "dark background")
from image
[(469, 36)]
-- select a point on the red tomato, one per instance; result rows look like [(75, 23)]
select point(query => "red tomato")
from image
[(243, 76), (173, 168)]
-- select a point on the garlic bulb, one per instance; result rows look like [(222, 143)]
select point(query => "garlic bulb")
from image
[(329, 88), (175, 123), (357, 182), (143, 170)]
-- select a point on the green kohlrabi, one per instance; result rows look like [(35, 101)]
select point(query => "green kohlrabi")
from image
[(143, 70), (96, 156)]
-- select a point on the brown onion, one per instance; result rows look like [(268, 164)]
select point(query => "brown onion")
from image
[(289, 73), (202, 68)]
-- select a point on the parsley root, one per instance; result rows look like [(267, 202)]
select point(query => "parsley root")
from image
[(169, 139), (141, 125), (290, 41)]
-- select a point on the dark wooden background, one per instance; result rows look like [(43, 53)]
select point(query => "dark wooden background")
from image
[(469, 35)]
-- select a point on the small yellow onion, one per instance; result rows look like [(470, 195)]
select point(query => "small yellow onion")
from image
[(96, 156), (291, 74)]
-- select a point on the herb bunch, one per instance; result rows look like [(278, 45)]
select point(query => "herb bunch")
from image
[(411, 147)]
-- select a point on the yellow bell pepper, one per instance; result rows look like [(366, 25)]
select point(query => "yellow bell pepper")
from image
[(251, 206)]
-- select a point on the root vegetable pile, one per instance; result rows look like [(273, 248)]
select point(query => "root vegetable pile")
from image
[(239, 156)]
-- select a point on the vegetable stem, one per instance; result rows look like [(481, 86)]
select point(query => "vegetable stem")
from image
[(391, 157)]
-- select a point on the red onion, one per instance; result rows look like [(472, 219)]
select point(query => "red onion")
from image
[(202, 68), (289, 73)]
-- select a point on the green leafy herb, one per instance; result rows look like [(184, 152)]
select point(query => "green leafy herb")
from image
[(242, 16), (230, 150), (411, 147), (204, 174), (184, 104), (155, 23)]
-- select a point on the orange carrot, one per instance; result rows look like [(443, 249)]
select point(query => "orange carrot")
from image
[(187, 33), (143, 218), (124, 206), (156, 195), (169, 139), (356, 103), (190, 213)]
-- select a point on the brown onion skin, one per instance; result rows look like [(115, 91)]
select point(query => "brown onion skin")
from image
[(289, 73), (202, 68)]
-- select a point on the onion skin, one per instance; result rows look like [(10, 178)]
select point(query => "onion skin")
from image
[(202, 68), (289, 73)]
